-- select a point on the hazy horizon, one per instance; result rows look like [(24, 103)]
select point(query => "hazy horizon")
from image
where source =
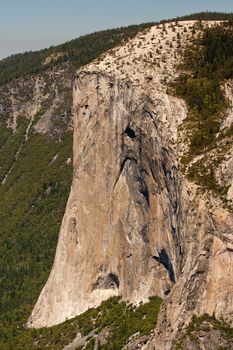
[(31, 26)]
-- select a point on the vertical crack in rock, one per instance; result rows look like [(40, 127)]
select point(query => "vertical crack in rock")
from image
[(164, 259), (128, 158), (143, 188), (144, 233), (171, 179)]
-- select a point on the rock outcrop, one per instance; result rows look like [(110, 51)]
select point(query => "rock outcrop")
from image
[(44, 98), (121, 230), (134, 226), (204, 285)]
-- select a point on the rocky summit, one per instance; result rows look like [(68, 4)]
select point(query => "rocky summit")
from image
[(140, 220)]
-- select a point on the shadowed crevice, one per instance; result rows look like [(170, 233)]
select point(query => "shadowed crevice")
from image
[(130, 133), (164, 259), (111, 281)]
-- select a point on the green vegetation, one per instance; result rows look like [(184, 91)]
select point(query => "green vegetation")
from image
[(10, 145), (5, 133), (208, 63), (120, 319), (33, 200), (203, 323), (201, 88)]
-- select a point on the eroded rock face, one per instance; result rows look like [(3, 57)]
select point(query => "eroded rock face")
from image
[(120, 233), (45, 99), (205, 284), (133, 225)]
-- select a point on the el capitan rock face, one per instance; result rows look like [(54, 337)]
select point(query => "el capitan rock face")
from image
[(134, 226), (120, 232)]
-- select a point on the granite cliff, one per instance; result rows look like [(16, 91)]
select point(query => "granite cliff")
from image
[(125, 187), (134, 225)]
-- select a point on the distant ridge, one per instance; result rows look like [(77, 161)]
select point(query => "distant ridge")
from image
[(79, 52), (203, 16)]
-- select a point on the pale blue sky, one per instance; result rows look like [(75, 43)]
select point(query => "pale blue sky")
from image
[(35, 24)]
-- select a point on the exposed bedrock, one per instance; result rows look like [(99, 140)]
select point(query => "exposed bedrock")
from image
[(132, 226), (120, 233)]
